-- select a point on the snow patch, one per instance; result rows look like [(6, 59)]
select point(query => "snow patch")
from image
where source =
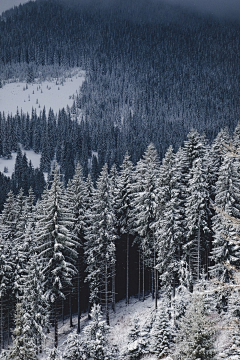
[(54, 93), (10, 163)]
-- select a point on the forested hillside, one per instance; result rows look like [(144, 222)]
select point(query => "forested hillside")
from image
[(142, 196), (152, 75), (154, 228)]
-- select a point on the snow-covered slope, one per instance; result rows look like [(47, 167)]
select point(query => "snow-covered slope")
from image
[(54, 94), (120, 324)]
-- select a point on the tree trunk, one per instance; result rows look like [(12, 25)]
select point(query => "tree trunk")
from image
[(155, 278), (63, 311), (198, 250), (127, 280), (153, 281), (55, 325), (139, 274), (106, 293), (143, 280), (113, 287), (70, 309), (8, 329), (1, 326), (89, 305), (79, 304)]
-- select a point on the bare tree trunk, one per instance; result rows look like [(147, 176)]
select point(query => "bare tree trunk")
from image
[(63, 311), (139, 274), (143, 280), (79, 304), (127, 280), (1, 326), (106, 293), (55, 325), (155, 278), (198, 250), (8, 329), (70, 309), (113, 287)]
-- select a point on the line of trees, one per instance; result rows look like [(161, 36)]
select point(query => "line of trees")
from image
[(146, 227)]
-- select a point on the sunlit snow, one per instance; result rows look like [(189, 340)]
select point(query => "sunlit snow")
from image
[(54, 94)]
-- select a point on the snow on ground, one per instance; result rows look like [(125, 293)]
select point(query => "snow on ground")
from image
[(54, 94), (10, 163), (120, 324)]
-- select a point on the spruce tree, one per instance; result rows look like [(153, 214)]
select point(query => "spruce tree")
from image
[(225, 244), (100, 242), (144, 208), (195, 339), (75, 348), (124, 208), (161, 333), (97, 347), (56, 245), (76, 194), (198, 219)]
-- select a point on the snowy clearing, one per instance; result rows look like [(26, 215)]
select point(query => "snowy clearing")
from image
[(10, 163), (54, 94)]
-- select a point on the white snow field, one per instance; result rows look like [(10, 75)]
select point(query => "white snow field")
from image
[(55, 94), (8, 4)]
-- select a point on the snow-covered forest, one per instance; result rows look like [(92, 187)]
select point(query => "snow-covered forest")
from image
[(167, 229), (134, 210)]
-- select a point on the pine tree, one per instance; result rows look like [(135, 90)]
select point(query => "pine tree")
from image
[(144, 205), (198, 219), (161, 333), (170, 225), (23, 347), (96, 343), (76, 194), (56, 243), (135, 346), (100, 242), (124, 208), (54, 354), (233, 321), (33, 303), (75, 348), (195, 339), (225, 246)]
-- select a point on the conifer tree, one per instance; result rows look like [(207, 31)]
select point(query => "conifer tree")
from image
[(100, 242), (97, 347), (75, 348), (33, 303), (195, 339), (169, 227), (161, 333), (124, 208), (225, 247), (56, 245), (198, 219), (76, 194), (144, 205), (23, 346)]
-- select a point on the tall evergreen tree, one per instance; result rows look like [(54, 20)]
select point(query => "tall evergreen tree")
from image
[(144, 205), (225, 247), (56, 245), (100, 244), (124, 208)]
